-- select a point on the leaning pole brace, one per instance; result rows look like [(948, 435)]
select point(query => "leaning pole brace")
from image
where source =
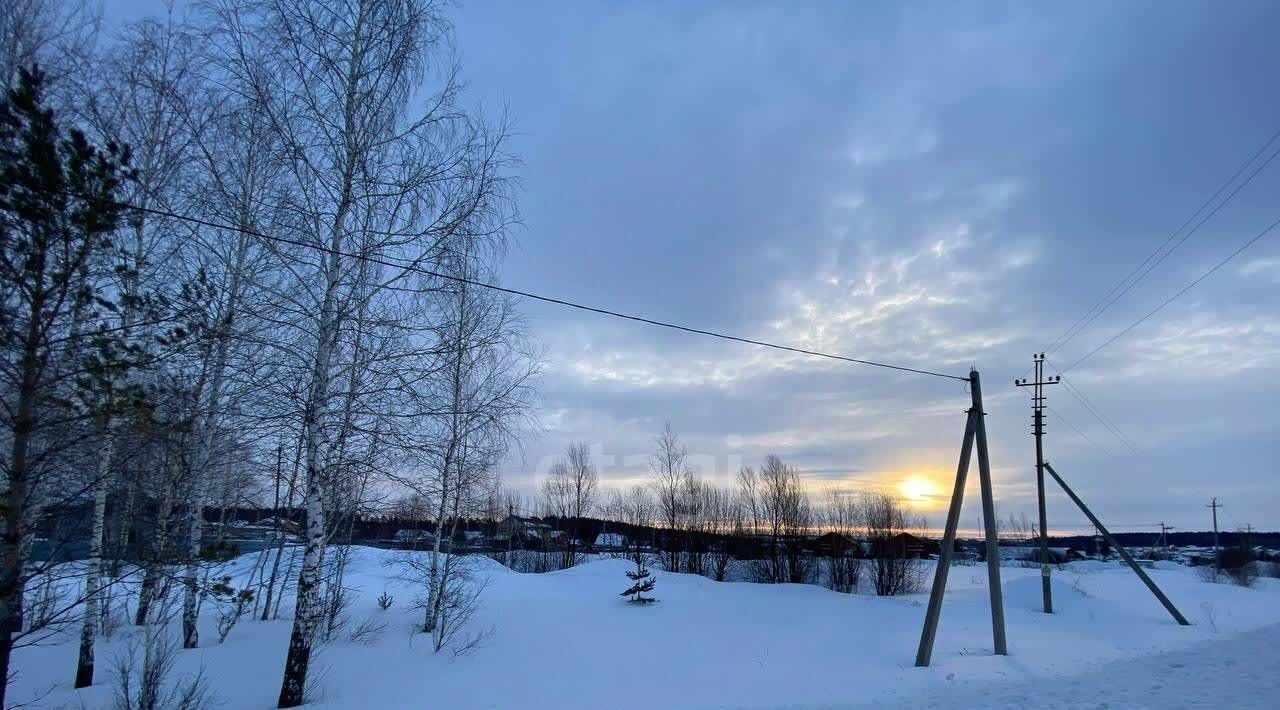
[(975, 432), (1173, 610)]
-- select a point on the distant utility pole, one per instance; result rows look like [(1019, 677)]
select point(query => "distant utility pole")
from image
[(1217, 552), (1037, 421), (1164, 535)]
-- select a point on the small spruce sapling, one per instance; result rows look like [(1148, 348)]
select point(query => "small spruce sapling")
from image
[(385, 601), (641, 583)]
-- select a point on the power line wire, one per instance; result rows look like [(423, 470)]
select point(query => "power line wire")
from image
[(1174, 297), (1076, 429), (1150, 263), (1109, 299), (1100, 416), (1097, 413), (530, 295)]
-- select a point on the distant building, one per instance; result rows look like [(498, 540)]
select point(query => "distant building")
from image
[(610, 541), (269, 528), (414, 537), (834, 544), (527, 530), (912, 546), (1031, 553)]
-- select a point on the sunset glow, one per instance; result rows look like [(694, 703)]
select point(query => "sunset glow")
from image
[(917, 491)]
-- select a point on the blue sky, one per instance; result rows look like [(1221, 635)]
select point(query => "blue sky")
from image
[(938, 185)]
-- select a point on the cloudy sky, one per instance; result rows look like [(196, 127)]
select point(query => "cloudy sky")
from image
[(934, 185)]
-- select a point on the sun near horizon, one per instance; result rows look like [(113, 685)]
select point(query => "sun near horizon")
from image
[(918, 492)]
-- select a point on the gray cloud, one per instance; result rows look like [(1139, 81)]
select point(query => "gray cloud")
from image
[(932, 184)]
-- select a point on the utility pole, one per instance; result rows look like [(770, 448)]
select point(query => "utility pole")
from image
[(1037, 421), (975, 437), (1217, 552), (1164, 535)]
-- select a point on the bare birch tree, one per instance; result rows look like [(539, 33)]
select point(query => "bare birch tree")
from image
[(144, 96), (381, 173), (842, 561), (724, 515), (886, 520), (569, 494), (782, 516), (485, 386), (634, 507), (57, 35), (671, 475)]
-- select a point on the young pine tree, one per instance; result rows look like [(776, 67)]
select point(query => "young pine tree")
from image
[(58, 214), (641, 584)]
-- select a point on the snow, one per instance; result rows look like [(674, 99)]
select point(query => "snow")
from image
[(1239, 673), (567, 639)]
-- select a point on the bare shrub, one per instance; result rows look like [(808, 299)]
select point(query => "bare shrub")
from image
[(532, 561), (461, 600), (782, 517), (367, 632), (385, 601), (337, 602), (113, 619), (842, 568), (886, 521), (145, 688), (724, 512), (458, 598), (43, 603), (1208, 573), (1245, 575), (1240, 563)]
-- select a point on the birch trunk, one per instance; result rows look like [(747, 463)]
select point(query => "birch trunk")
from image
[(269, 612), (435, 593), (208, 426), (93, 571), (307, 609), (159, 549)]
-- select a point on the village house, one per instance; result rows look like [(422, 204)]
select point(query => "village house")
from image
[(527, 530)]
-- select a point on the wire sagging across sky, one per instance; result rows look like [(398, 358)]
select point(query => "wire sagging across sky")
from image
[(533, 296), (1270, 228), (1155, 258)]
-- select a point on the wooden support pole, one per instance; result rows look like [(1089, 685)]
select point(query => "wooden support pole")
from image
[(975, 432), (989, 519), (930, 630), (1119, 548)]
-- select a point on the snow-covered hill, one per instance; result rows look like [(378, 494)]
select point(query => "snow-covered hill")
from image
[(566, 639)]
